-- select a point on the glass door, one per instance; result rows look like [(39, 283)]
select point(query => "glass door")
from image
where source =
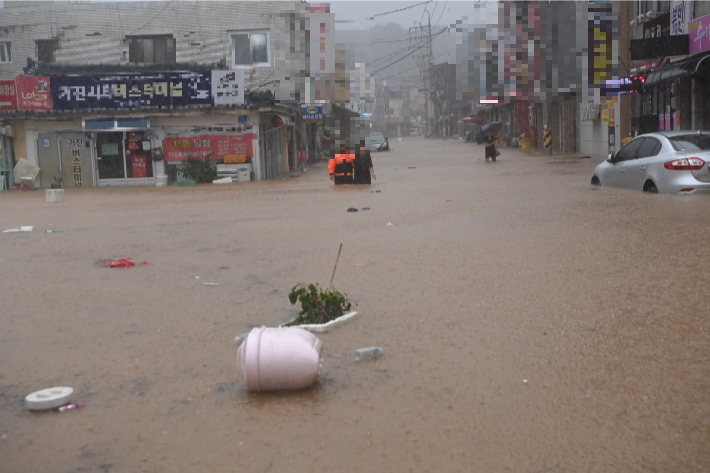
[(109, 155)]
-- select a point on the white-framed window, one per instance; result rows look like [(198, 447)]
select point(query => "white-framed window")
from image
[(250, 48), (5, 52)]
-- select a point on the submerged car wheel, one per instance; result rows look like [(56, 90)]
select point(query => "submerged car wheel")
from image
[(596, 181), (650, 188)]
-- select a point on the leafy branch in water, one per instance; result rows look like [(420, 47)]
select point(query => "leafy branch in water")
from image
[(199, 170), (317, 306)]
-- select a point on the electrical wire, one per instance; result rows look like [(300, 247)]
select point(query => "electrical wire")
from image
[(442, 12), (404, 57), (152, 18), (415, 67), (401, 9)]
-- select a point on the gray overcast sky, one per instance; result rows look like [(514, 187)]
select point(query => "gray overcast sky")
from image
[(357, 13)]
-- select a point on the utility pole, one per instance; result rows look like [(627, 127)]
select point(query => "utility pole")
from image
[(427, 62)]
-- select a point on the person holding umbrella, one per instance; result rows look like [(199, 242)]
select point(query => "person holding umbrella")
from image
[(488, 134), (491, 142)]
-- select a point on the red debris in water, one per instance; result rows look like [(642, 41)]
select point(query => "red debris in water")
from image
[(123, 263)]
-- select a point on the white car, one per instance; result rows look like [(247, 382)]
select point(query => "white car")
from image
[(673, 162)]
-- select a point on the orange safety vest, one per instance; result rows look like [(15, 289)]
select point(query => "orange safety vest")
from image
[(341, 158)]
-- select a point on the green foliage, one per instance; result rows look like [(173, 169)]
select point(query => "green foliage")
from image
[(317, 305), (199, 170)]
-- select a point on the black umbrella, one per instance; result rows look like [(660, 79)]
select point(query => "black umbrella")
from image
[(492, 128)]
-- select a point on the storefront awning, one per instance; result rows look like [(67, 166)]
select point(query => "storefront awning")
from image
[(285, 120), (684, 68)]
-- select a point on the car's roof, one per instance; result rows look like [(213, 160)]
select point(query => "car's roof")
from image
[(670, 134)]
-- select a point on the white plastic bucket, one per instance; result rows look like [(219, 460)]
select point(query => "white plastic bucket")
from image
[(161, 180), (275, 359), (54, 195)]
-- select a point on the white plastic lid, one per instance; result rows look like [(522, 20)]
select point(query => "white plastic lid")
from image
[(48, 398)]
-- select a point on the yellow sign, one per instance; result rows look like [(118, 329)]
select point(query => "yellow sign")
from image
[(235, 158), (612, 114), (605, 113), (602, 56)]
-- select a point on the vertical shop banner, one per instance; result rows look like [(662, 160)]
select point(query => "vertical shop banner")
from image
[(33, 93), (227, 148), (139, 166), (8, 95), (228, 87), (679, 20), (601, 42), (131, 91), (322, 30), (699, 34)]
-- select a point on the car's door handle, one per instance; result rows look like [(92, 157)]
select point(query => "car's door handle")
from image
[(623, 170), (642, 168)]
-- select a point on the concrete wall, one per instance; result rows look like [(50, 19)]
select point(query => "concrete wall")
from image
[(94, 33), (594, 138)]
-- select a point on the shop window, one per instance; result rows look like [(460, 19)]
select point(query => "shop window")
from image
[(155, 49), (47, 50), (250, 48), (5, 53)]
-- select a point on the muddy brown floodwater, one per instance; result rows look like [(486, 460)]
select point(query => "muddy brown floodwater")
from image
[(491, 274)]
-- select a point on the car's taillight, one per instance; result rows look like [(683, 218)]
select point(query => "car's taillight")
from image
[(685, 164)]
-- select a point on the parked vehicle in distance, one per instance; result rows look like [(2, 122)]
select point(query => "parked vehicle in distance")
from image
[(669, 162), (414, 132), (377, 142)]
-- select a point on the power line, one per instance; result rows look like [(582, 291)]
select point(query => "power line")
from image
[(152, 18), (442, 12), (404, 57), (401, 9), (415, 67)]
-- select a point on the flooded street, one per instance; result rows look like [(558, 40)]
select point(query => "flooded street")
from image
[(529, 322)]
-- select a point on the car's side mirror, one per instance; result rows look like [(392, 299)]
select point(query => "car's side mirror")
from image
[(610, 158)]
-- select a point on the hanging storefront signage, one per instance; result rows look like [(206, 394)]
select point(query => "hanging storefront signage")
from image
[(657, 27), (645, 66), (134, 91), (611, 117), (33, 93), (230, 148), (228, 87), (679, 20), (8, 95), (699, 34), (312, 113), (601, 25)]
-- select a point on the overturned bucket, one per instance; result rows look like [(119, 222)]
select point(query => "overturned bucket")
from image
[(275, 359)]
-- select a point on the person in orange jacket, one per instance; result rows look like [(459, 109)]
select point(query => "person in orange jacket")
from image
[(340, 168)]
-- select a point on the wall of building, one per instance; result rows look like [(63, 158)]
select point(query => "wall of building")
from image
[(94, 33)]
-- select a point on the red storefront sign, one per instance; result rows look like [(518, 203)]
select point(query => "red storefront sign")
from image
[(230, 148), (139, 166), (33, 93), (8, 95)]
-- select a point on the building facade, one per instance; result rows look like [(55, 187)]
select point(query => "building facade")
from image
[(115, 94)]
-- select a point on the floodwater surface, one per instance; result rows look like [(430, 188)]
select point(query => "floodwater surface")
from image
[(528, 324)]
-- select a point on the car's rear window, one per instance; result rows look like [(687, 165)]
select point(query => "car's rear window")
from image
[(377, 136), (694, 142)]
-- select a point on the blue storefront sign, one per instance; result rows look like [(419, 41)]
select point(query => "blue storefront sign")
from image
[(312, 113), (131, 91)]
